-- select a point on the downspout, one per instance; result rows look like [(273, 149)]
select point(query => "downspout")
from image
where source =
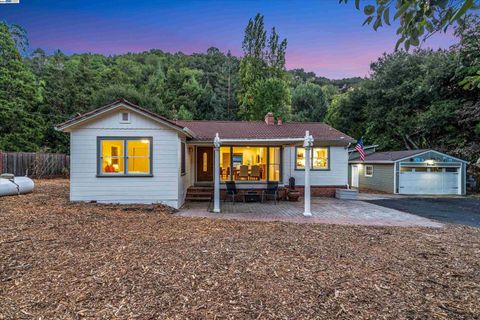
[(348, 164)]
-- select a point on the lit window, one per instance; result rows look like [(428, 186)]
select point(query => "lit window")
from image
[(368, 171), (205, 162), (249, 163), (274, 164), (113, 156), (319, 158), (138, 156), (126, 156), (225, 163)]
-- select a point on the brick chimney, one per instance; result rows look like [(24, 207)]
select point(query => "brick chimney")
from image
[(269, 119), (279, 121)]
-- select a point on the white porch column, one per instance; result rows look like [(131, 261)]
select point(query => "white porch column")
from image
[(307, 144), (216, 168)]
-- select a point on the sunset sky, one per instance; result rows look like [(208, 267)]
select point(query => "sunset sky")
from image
[(323, 36)]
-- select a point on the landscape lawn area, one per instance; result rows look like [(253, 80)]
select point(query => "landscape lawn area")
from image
[(74, 260)]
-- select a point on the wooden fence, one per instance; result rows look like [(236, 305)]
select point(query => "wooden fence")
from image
[(37, 165)]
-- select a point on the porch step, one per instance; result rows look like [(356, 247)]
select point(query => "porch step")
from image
[(188, 198), (199, 193)]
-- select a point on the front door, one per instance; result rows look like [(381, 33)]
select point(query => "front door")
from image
[(355, 176), (204, 164)]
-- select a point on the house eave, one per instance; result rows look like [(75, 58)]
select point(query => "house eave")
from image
[(75, 123), (371, 162), (269, 141), (431, 150)]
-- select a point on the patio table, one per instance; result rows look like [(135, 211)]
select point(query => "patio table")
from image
[(252, 196)]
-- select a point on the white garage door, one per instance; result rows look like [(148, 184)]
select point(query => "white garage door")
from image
[(429, 181)]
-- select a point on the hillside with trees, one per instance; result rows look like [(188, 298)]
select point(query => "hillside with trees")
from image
[(410, 100)]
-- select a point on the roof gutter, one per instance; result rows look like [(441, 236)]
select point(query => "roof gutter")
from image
[(372, 161)]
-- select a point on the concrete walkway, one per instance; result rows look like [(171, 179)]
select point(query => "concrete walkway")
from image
[(324, 210)]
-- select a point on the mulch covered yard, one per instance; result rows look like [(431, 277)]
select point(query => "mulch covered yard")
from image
[(62, 260)]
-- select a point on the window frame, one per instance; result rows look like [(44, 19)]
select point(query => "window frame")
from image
[(365, 172), (311, 157), (121, 117), (267, 165), (183, 158), (125, 173)]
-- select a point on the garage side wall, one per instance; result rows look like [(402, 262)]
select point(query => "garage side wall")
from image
[(382, 179)]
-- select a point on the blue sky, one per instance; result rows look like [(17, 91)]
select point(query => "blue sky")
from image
[(323, 36)]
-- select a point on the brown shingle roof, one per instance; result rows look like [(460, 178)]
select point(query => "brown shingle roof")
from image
[(205, 130)]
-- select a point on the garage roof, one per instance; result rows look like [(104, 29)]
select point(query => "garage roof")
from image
[(394, 156)]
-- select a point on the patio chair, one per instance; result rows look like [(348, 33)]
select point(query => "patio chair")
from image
[(232, 191), (243, 172), (272, 190), (255, 173)]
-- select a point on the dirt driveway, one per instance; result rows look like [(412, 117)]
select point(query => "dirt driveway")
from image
[(69, 261), (464, 211)]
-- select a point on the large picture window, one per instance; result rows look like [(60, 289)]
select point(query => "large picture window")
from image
[(249, 163), (320, 158), (124, 156)]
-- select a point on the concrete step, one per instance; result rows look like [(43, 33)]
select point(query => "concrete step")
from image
[(346, 194)]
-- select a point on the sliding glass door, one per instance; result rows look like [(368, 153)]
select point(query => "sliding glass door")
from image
[(250, 163)]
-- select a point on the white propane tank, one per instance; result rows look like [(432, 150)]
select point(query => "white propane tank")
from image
[(11, 185)]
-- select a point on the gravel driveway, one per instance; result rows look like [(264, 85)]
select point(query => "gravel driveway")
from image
[(464, 211)]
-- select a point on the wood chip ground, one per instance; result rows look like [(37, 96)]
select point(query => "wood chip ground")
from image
[(70, 261)]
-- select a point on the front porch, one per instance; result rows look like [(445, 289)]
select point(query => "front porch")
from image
[(324, 210), (255, 164)]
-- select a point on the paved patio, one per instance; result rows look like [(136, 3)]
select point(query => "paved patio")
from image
[(324, 210)]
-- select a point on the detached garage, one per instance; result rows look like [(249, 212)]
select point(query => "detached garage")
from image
[(415, 172)]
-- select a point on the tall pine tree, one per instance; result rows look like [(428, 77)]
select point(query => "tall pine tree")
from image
[(21, 127)]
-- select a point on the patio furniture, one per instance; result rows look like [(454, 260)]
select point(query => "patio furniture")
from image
[(252, 196), (243, 172), (255, 173), (293, 195), (272, 190), (232, 191)]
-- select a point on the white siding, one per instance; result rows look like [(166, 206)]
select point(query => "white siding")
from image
[(336, 176), (161, 188), (185, 181)]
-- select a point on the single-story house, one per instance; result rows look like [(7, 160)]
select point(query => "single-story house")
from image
[(415, 172), (122, 153)]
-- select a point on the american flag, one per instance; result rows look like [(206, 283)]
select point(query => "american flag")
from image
[(359, 148)]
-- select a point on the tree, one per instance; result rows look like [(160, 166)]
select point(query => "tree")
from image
[(417, 18), (184, 114), (308, 103), (347, 112), (20, 126), (262, 61), (469, 52), (270, 95)]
